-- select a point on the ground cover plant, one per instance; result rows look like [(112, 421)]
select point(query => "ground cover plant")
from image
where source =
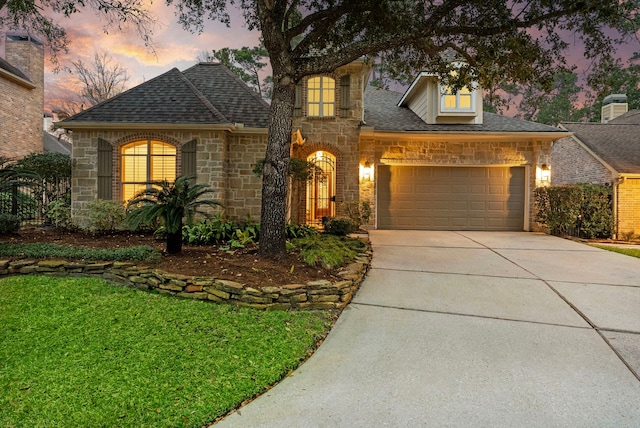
[(44, 250), (80, 352)]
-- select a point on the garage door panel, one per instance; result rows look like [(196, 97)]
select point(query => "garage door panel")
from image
[(451, 198)]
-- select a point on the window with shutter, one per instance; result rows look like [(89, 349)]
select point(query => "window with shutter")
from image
[(345, 95), (105, 170), (189, 159)]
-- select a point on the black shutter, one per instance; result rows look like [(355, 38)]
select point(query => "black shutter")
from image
[(297, 106), (189, 159), (345, 95), (105, 170)]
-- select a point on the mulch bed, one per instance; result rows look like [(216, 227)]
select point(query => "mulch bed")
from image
[(242, 265)]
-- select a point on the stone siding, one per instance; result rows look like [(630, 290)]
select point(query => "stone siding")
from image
[(628, 207), (572, 164), (21, 108), (210, 162), (338, 136), (244, 188), (315, 295)]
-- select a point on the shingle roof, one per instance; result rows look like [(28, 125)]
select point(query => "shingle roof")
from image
[(13, 70), (632, 117), (616, 144), (381, 112), (230, 95), (203, 94)]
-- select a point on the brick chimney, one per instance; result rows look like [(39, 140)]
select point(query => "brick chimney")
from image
[(613, 105), (25, 106)]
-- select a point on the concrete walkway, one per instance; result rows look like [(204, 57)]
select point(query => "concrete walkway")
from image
[(473, 329)]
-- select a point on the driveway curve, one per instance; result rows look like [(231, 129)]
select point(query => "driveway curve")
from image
[(473, 329)]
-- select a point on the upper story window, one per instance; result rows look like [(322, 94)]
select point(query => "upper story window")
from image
[(321, 97), (143, 162), (460, 101)]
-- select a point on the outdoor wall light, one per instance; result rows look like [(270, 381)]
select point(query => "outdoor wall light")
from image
[(366, 171), (543, 174)]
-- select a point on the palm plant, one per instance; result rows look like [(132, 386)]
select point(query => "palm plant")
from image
[(171, 203)]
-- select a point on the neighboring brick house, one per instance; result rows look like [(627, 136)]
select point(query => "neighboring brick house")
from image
[(425, 159), (604, 153), (22, 100)]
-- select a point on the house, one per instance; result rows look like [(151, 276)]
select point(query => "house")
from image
[(426, 159), (605, 153), (22, 100)]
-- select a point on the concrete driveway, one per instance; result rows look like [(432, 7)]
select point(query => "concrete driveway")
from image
[(473, 329)]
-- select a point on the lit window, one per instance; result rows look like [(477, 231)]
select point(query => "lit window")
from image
[(144, 162), (321, 97), (461, 100)]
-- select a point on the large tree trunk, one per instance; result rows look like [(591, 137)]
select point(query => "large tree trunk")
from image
[(275, 183)]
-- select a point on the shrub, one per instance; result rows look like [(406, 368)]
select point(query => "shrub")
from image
[(294, 230), (328, 251), (358, 212), (171, 203), (9, 223), (586, 208), (105, 216), (338, 226), (209, 231), (59, 213)]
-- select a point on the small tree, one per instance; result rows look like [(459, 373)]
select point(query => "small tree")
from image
[(170, 203)]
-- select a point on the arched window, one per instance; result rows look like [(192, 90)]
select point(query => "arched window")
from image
[(143, 162), (321, 97)]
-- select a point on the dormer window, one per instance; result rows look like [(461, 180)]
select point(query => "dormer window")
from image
[(460, 101), (321, 97)]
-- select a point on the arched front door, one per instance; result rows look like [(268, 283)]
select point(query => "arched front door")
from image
[(321, 189)]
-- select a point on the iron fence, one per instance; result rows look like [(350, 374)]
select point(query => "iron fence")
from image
[(30, 201)]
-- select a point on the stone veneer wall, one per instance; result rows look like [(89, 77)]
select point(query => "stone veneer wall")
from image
[(315, 295), (459, 152), (244, 188), (336, 135), (223, 161), (628, 206), (21, 108), (572, 164)]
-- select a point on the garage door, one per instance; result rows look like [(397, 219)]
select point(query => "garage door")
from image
[(451, 198)]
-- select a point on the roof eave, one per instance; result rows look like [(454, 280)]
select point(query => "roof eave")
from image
[(417, 135), (409, 90), (145, 126), (16, 79)]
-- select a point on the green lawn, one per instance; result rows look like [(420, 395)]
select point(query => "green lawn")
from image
[(633, 252), (81, 352)]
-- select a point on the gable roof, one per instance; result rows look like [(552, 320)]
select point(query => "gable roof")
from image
[(383, 113), (197, 96), (617, 144)]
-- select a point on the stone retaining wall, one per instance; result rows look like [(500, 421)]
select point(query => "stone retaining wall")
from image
[(322, 294)]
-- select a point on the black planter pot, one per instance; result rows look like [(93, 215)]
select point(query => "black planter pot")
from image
[(174, 242)]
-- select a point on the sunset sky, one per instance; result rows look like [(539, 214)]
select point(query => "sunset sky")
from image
[(174, 47)]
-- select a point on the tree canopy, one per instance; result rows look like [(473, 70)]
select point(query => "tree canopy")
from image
[(246, 63), (524, 41)]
